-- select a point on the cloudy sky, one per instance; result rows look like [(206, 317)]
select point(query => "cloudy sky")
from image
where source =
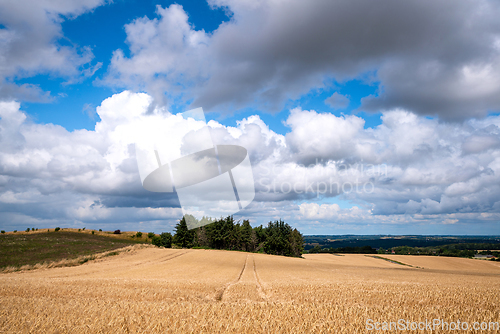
[(359, 117)]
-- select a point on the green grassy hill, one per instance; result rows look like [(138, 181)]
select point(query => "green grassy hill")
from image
[(18, 249)]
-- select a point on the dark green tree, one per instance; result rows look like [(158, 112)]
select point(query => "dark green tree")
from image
[(296, 243), (201, 238), (156, 240), (246, 236), (234, 241), (183, 237), (261, 233), (166, 239), (217, 234), (277, 241), (163, 240)]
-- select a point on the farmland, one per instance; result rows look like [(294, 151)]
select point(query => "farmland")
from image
[(149, 289)]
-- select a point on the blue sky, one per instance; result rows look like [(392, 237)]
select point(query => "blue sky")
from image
[(318, 93), (103, 31)]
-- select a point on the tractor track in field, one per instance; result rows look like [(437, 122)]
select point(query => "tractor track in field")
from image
[(173, 256), (220, 294), (260, 288), (247, 286)]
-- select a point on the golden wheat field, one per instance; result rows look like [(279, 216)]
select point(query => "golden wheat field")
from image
[(155, 290)]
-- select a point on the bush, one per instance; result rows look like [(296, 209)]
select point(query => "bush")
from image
[(83, 229), (92, 232), (164, 240), (151, 235), (15, 231), (3, 231), (79, 229), (117, 232), (138, 234), (28, 229), (100, 230), (32, 228), (156, 240), (57, 229)]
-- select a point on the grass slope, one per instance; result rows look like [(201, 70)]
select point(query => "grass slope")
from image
[(21, 249)]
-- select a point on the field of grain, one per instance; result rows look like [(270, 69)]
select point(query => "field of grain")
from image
[(153, 290)]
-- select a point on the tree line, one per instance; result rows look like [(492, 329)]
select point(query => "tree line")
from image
[(451, 250), (277, 238), (347, 250)]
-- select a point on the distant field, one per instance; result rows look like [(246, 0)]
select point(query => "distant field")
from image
[(384, 241), (155, 290), (29, 248)]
